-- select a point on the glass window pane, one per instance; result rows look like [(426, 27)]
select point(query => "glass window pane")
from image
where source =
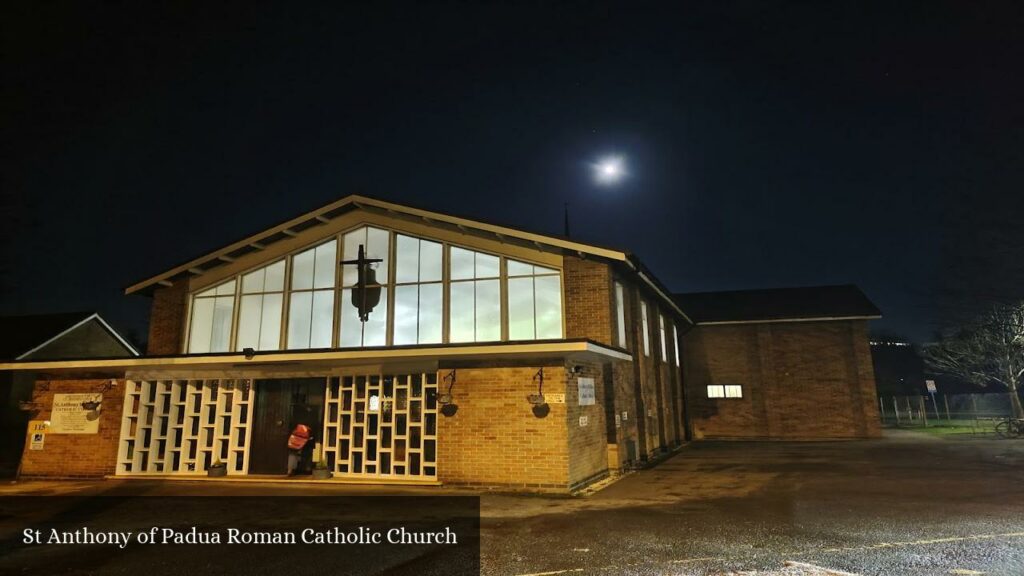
[(299, 318), (431, 313), (351, 327), (223, 308), (540, 270), (487, 266), (675, 340), (249, 317), (488, 310), (322, 319), (253, 281), (406, 303), (620, 314), (519, 268), (275, 277), (270, 323), (325, 262), (461, 264), (202, 325), (377, 245), (226, 289), (406, 260), (302, 270), (375, 329), (461, 312), (646, 329), (351, 242), (520, 309), (210, 292), (548, 307), (430, 261)]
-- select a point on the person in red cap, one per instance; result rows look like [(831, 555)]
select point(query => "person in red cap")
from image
[(297, 442)]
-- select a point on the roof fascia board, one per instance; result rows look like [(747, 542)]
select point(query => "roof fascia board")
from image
[(65, 332), (360, 202), (363, 355), (115, 334), (772, 321)]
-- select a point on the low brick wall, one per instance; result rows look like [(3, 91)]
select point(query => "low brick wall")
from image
[(76, 455)]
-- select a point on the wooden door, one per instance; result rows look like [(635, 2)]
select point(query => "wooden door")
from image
[(280, 406)]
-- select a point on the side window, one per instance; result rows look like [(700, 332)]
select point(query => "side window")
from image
[(259, 314), (645, 325), (534, 302), (210, 325), (474, 313), (620, 315), (311, 302), (419, 294)]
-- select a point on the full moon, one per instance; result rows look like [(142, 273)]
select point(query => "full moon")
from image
[(609, 170)]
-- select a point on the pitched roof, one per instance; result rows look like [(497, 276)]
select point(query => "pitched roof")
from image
[(21, 335), (778, 304), (325, 214)]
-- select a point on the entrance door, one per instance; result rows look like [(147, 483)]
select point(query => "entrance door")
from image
[(280, 406)]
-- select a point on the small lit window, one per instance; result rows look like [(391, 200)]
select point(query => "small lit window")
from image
[(725, 391), (675, 340), (661, 330), (212, 310), (620, 314), (646, 328)]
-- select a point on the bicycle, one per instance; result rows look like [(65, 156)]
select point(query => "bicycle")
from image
[(1011, 428)]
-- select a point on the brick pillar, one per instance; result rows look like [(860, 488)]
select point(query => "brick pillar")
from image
[(167, 319)]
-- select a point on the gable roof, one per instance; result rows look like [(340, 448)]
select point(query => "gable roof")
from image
[(323, 215), (778, 304), (20, 336)]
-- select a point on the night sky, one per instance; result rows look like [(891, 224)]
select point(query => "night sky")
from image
[(767, 144)]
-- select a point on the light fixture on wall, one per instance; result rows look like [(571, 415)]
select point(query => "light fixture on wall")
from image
[(446, 400), (539, 404), (249, 353)]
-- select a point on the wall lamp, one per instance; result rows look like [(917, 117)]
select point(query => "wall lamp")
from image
[(539, 404)]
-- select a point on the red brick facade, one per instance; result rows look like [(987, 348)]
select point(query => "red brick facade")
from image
[(167, 319), (801, 380), (76, 455)]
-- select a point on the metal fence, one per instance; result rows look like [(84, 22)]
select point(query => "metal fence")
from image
[(967, 413)]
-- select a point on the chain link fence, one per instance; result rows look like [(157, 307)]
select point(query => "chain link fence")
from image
[(947, 413)]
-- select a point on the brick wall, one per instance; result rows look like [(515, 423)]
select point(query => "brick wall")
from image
[(167, 319), (76, 455), (801, 380), (588, 444), (589, 303), (495, 439)]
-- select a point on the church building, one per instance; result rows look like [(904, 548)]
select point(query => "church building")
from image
[(419, 347)]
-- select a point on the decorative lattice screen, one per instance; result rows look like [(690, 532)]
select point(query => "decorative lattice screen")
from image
[(184, 426), (382, 426)]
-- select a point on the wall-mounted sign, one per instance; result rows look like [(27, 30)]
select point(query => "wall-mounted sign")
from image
[(585, 385), (37, 434), (76, 413), (618, 421), (555, 398), (625, 415), (584, 420)]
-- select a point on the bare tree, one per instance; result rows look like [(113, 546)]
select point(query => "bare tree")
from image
[(988, 350)]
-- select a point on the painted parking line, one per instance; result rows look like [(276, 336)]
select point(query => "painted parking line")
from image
[(795, 564), (818, 569), (916, 542)]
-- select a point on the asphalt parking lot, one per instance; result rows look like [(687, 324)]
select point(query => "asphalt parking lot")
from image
[(908, 504)]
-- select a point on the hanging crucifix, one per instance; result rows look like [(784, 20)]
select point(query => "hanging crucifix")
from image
[(366, 292)]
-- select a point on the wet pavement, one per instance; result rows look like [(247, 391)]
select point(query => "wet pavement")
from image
[(908, 504)]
